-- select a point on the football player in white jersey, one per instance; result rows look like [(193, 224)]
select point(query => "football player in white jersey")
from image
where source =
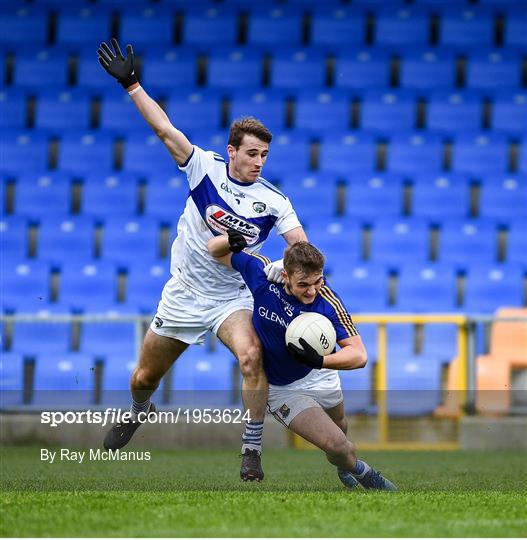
[(201, 295)]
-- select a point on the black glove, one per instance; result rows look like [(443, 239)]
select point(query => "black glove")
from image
[(117, 66), (307, 356), (237, 241)]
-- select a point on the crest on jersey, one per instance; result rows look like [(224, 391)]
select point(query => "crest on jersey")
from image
[(221, 220), (259, 207)]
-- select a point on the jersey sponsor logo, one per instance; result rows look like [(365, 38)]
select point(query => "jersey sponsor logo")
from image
[(272, 316), (221, 220), (259, 207), (288, 308), (226, 188)]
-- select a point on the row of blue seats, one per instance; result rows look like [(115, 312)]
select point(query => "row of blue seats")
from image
[(447, 112), (84, 152), (202, 380), (93, 287), (232, 68), (265, 25), (433, 196)]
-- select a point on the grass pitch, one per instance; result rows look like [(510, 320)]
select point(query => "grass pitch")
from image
[(198, 493)]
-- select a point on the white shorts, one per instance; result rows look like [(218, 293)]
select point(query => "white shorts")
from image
[(187, 316), (286, 402)]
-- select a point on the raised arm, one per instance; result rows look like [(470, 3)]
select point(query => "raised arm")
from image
[(295, 235), (122, 69)]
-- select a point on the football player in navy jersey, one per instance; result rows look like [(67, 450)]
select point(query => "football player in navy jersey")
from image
[(201, 296), (304, 387)]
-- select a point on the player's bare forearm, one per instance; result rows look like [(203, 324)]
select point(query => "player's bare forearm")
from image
[(175, 141), (352, 355), (219, 249), (295, 235)]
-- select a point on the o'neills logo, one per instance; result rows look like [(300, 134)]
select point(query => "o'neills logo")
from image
[(221, 220)]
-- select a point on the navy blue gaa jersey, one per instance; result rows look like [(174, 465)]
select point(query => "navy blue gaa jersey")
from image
[(274, 309)]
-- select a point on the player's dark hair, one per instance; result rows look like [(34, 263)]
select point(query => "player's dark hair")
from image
[(303, 256), (248, 126)]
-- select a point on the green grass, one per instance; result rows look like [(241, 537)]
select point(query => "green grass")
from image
[(198, 493)]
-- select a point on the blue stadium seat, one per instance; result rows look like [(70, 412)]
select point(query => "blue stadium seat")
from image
[(268, 105), (210, 26), (66, 239), (195, 110), (25, 286), (522, 161), (311, 193), (357, 388), (168, 67), (441, 196), (348, 153), (468, 26), (415, 152), (517, 241), (490, 287), (65, 380), (80, 25), (392, 240), (146, 154), (339, 239), (453, 112), (204, 378), (465, 242), (370, 195), (363, 287), (117, 371), (14, 237), (11, 379), (400, 339), (119, 115), (440, 341), (145, 26), (368, 334), (41, 68), (323, 111), (40, 195), (166, 195), (90, 73), (88, 287), (402, 26), (509, 112), (494, 70), (515, 28), (285, 145), (480, 153), (505, 199), (86, 151), (414, 383), (110, 195), (426, 289), (32, 338), (275, 26), (106, 338), (125, 237), (13, 108), (298, 68), (214, 141), (58, 110), (18, 23), (274, 246), (146, 280), (24, 151), (339, 25), (362, 68), (427, 69), (235, 68), (389, 111)]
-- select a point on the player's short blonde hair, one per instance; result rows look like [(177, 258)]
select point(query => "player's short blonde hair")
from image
[(248, 126), (304, 257)]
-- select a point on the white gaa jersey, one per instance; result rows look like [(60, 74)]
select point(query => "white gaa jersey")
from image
[(217, 202)]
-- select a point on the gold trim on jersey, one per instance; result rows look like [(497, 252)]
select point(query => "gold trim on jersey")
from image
[(265, 260), (343, 316)]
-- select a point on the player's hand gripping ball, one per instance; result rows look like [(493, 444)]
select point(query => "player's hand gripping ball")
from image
[(310, 337)]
